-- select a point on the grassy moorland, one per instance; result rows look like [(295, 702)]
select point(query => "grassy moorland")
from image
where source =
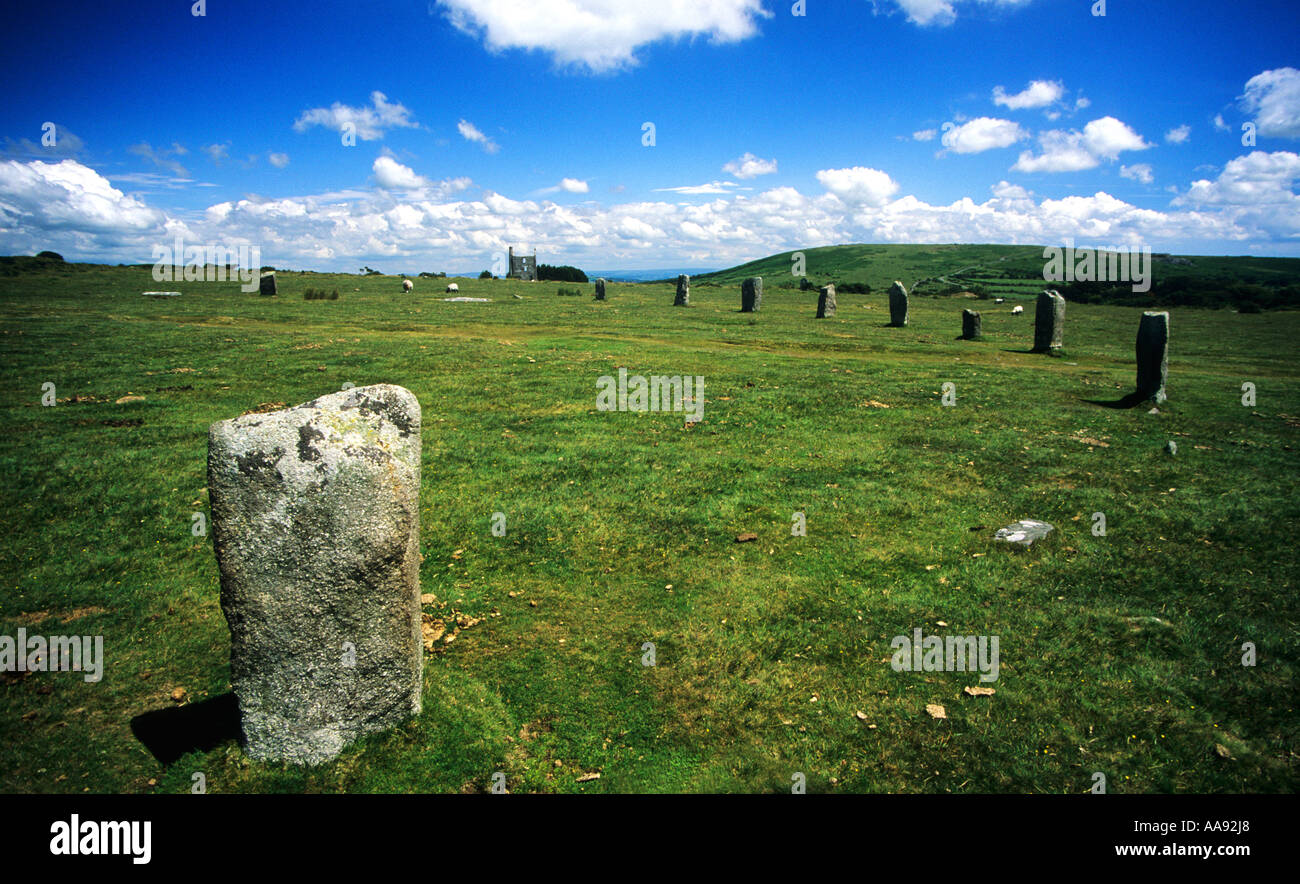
[(1119, 653)]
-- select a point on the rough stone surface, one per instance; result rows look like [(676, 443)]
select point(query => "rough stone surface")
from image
[(751, 294), (971, 325), (898, 304), (1049, 322), (1153, 355), (316, 525), (1171, 447), (826, 303), (266, 285), (600, 289), (1024, 532), (683, 298)]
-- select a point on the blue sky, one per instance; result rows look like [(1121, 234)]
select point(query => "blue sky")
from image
[(478, 128)]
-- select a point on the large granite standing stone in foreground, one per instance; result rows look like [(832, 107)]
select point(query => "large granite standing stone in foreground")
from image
[(600, 289), (683, 298), (266, 285), (1049, 322), (971, 325), (898, 304), (1153, 356), (316, 525), (751, 294), (826, 303)]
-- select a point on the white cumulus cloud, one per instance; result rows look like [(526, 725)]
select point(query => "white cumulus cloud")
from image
[(369, 122), (1073, 151), (981, 134), (392, 175), (67, 195), (1039, 93), (944, 12), (1138, 172), (1274, 98), (600, 35), (749, 166), (470, 132), (859, 185)]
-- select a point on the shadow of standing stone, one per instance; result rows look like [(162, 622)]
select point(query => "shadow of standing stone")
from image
[(1049, 322), (1153, 356), (316, 524), (826, 302)]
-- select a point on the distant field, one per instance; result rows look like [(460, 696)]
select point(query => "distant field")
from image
[(1120, 654)]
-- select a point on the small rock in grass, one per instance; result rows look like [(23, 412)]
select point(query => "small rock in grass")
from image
[(1024, 532)]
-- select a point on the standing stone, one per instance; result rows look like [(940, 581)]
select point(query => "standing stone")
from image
[(826, 302), (266, 285), (751, 294), (1049, 322), (683, 298), (897, 304), (971, 325), (316, 526), (600, 289), (1153, 356)]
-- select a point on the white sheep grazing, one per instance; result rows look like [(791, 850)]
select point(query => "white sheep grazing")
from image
[(453, 288), (1017, 309), (407, 285)]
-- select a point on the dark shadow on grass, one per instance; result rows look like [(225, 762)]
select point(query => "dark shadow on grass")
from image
[(171, 733), (1132, 400)]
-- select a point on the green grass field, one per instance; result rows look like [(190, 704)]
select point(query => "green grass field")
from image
[(1119, 654)]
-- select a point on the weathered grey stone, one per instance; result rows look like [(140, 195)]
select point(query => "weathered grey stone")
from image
[(971, 325), (600, 289), (1153, 355), (751, 294), (1049, 322), (316, 526), (1171, 447), (898, 304), (683, 298), (1024, 532), (266, 285), (826, 303)]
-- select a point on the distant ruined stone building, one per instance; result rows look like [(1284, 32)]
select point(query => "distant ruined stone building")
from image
[(522, 267)]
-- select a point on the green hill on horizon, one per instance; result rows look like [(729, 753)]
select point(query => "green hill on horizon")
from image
[(1247, 282)]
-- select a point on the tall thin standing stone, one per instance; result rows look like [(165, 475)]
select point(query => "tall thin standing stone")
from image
[(683, 298), (600, 289), (316, 526), (266, 285), (1049, 322), (751, 294), (1153, 355), (971, 325), (898, 304), (826, 302)]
